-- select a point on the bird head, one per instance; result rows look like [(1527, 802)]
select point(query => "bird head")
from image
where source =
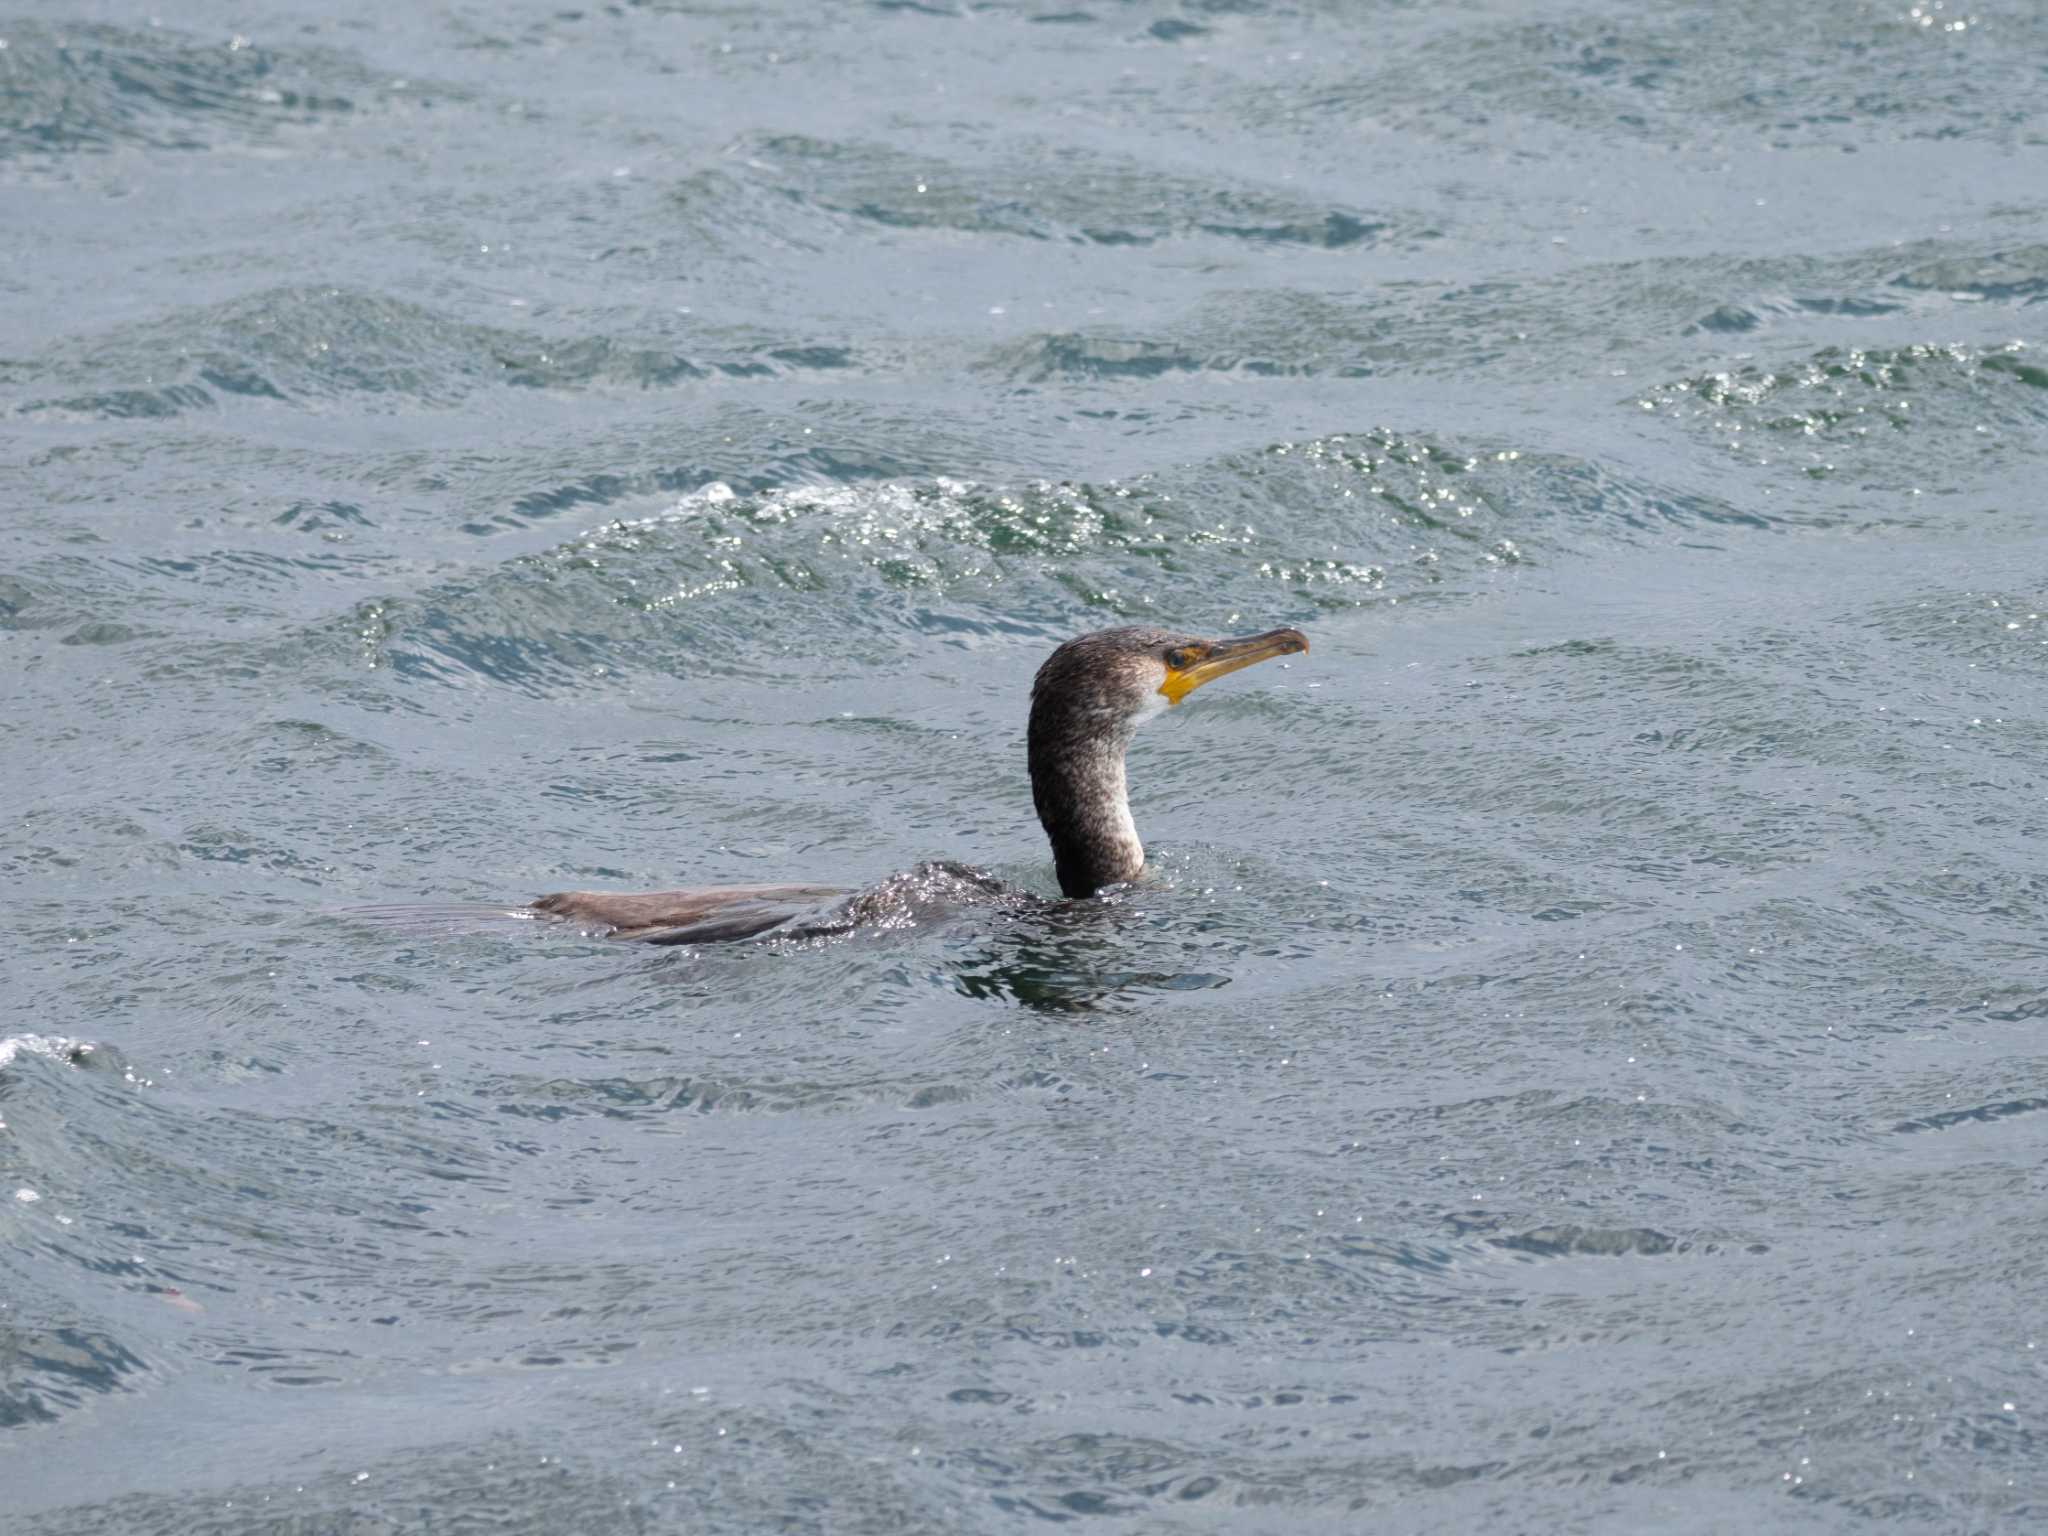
[(1107, 682)]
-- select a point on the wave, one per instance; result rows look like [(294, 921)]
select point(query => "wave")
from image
[(299, 345), (87, 88), (801, 188)]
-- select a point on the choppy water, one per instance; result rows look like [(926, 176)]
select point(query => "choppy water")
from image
[(1579, 1062)]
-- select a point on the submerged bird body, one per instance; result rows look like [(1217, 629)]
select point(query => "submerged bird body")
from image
[(1087, 702)]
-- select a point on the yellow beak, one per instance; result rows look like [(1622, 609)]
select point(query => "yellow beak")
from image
[(1212, 658)]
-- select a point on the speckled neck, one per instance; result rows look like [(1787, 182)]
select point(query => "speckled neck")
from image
[(1077, 783)]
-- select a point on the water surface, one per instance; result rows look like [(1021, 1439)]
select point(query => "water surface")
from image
[(1576, 1061)]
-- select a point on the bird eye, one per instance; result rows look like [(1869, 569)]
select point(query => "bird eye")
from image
[(1180, 657)]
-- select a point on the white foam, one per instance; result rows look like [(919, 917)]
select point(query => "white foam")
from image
[(56, 1047)]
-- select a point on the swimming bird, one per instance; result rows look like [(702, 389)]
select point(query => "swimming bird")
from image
[(1087, 702)]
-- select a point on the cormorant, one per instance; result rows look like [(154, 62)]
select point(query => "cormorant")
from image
[(1087, 702)]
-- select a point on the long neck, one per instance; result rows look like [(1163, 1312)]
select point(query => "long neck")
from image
[(1077, 783)]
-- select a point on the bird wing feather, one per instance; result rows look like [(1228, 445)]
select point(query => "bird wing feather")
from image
[(700, 915)]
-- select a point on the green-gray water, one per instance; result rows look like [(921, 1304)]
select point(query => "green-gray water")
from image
[(1577, 1062)]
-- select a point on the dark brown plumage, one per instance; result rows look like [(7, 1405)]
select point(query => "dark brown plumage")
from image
[(1087, 702)]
